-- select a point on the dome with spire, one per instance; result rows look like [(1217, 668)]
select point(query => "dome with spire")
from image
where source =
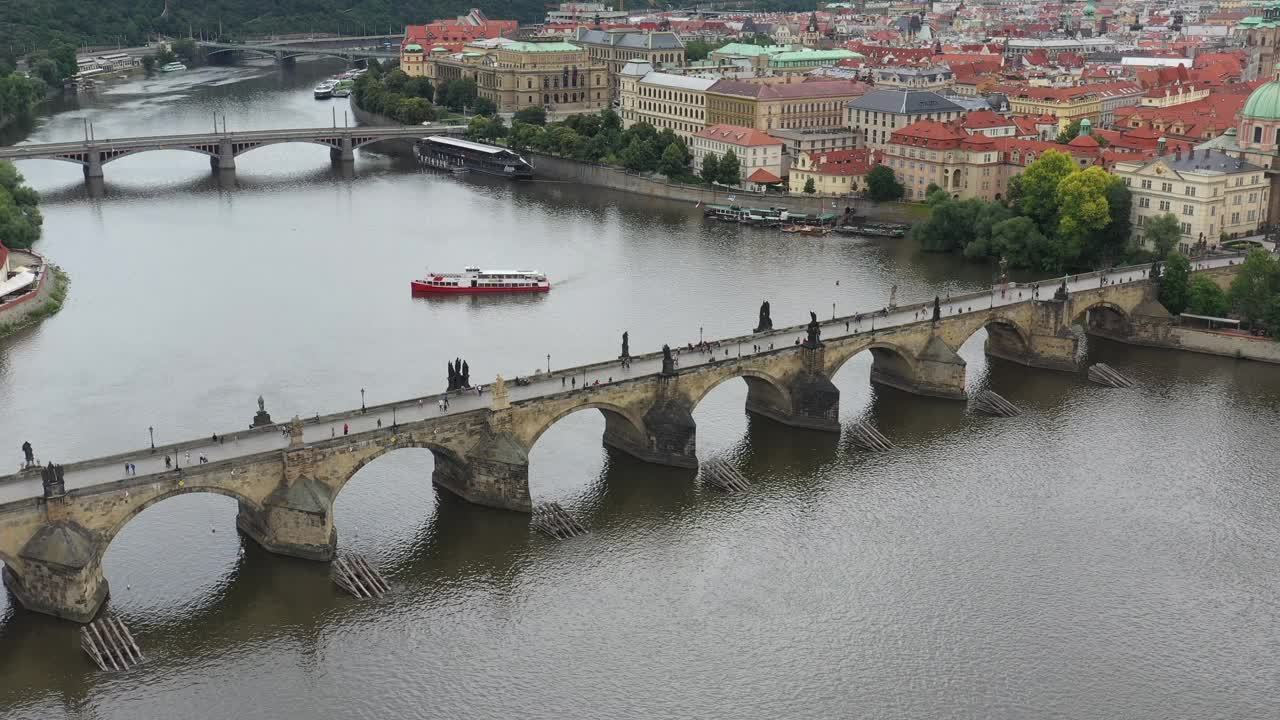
[(1264, 103)]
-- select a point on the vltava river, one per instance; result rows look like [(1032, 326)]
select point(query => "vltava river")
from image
[(1108, 554)]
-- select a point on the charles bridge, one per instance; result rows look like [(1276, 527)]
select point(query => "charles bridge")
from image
[(55, 529), (222, 147)]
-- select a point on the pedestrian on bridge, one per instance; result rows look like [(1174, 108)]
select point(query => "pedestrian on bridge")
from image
[(345, 428), (167, 462)]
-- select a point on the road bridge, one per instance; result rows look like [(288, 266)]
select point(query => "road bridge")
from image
[(222, 147), (282, 51), (55, 530)]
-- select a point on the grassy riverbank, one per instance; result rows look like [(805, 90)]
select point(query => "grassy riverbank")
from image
[(49, 306)]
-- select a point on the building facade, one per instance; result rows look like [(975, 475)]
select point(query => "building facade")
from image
[(834, 172), (663, 100), (453, 35), (930, 78), (771, 103), (556, 76), (875, 116), (615, 48), (759, 155), (1212, 194)]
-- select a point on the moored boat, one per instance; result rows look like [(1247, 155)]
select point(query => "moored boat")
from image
[(815, 230), (474, 280), (324, 90), (172, 67), (450, 153)]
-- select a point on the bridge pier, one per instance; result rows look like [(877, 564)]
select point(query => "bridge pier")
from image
[(936, 371), (1050, 345), (345, 154), (59, 572), (671, 434), (496, 473), (93, 168), (225, 159), (295, 520), (814, 400)]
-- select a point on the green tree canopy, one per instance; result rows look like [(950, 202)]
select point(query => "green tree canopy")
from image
[(730, 169), (532, 115), (1255, 285), (672, 163), (1175, 286), (1162, 233), (20, 218), (1069, 133), (710, 168), (883, 185), (1082, 211), (1038, 188), (809, 187), (1207, 298), (640, 156)]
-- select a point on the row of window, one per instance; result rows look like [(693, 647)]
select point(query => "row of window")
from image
[(682, 111)]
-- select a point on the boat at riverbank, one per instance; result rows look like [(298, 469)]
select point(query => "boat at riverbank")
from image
[(814, 230), (474, 280), (172, 67), (450, 153), (889, 230), (324, 90)]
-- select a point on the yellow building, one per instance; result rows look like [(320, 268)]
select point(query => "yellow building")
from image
[(771, 103), (557, 76), (665, 101), (1210, 193), (1067, 104), (834, 172)]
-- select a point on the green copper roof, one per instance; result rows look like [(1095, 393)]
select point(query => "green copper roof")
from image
[(750, 50), (541, 47), (812, 56), (1264, 103), (413, 47)]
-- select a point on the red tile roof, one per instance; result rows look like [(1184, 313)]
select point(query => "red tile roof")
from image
[(843, 163), (763, 176), (736, 135)]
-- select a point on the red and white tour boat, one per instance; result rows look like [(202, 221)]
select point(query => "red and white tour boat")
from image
[(475, 280)]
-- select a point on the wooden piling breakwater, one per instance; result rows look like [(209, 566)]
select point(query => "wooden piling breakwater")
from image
[(553, 521), (867, 437), (353, 573), (110, 644), (1104, 374), (720, 474), (992, 403)]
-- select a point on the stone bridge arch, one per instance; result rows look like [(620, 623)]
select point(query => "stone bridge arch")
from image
[(111, 156), (1103, 317), (621, 423)]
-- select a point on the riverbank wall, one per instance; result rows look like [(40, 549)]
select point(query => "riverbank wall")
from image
[(564, 170), (45, 300), (1236, 345)]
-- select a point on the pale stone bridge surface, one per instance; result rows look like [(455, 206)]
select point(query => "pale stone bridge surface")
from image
[(222, 147), (52, 547)]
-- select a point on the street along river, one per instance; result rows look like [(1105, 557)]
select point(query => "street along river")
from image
[(1106, 554)]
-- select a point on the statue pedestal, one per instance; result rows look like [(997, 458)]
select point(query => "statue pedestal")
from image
[(261, 419)]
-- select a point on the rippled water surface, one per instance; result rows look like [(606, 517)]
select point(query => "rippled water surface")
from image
[(1108, 554)]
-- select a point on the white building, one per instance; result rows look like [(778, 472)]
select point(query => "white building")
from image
[(759, 154)]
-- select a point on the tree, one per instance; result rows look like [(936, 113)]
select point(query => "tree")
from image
[(730, 169), (532, 115), (1038, 188), (1082, 211), (47, 70), (1207, 298), (396, 81), (1069, 133), (640, 156), (184, 48), (20, 218), (484, 106), (1108, 245), (1272, 317), (419, 87), (1174, 283), (1254, 288), (1020, 241), (1162, 233), (523, 136), (809, 188), (883, 185), (710, 168), (413, 111), (148, 64), (672, 163)]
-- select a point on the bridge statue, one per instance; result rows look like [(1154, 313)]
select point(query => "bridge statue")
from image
[(28, 453), (766, 322), (500, 398), (814, 331), (262, 418), (1061, 294), (626, 345), (893, 297), (295, 432), (51, 479), (668, 364), (937, 309)]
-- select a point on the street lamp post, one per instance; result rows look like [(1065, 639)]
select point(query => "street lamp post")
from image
[(393, 416), (152, 430), (362, 401), (833, 311), (699, 334), (548, 363)]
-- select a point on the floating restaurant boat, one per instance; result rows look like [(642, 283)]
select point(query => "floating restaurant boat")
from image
[(747, 215), (450, 153), (889, 230), (173, 67), (816, 230), (474, 280), (324, 90)]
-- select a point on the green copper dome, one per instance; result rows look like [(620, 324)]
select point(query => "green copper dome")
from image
[(1264, 103)]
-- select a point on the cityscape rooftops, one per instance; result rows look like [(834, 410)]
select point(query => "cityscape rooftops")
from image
[(736, 135), (908, 102)]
